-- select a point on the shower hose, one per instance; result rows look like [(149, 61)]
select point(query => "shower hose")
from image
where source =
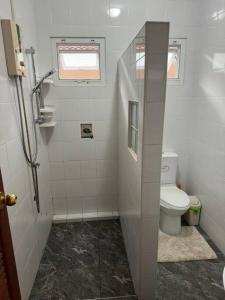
[(31, 158)]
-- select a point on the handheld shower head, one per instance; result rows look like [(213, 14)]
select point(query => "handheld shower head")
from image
[(49, 73)]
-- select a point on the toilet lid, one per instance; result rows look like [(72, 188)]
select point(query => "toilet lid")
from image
[(174, 197)]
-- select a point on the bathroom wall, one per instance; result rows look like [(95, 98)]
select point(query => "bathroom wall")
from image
[(139, 176), (206, 172), (84, 173), (29, 230), (92, 164), (184, 23)]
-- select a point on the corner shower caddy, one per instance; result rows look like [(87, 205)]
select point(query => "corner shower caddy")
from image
[(48, 110)]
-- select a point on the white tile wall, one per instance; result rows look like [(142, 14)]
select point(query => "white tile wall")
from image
[(194, 115), (139, 180), (206, 172), (95, 159), (29, 230)]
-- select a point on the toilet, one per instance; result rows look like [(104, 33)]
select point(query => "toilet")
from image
[(173, 201)]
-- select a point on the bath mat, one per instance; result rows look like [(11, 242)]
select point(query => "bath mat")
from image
[(187, 246)]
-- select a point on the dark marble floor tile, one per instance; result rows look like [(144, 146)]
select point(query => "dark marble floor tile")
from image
[(208, 274), (112, 253), (116, 281), (172, 287), (90, 284), (68, 284), (110, 229), (83, 254), (44, 282)]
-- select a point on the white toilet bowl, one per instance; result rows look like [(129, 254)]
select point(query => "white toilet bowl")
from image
[(173, 204)]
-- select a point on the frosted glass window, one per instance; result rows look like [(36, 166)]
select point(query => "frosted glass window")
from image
[(175, 63), (79, 61), (133, 126)]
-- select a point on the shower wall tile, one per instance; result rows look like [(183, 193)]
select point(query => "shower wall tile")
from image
[(28, 228), (74, 205), (88, 169), (57, 170), (72, 169), (60, 205)]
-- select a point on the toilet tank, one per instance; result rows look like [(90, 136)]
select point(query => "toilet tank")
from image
[(169, 168)]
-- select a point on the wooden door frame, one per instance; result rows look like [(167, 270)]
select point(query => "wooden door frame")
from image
[(8, 252)]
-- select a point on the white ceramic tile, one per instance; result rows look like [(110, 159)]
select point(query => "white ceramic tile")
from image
[(105, 130), (151, 163), (81, 150), (150, 199), (73, 188), (90, 205), (105, 204), (84, 110), (70, 131), (4, 163), (104, 150), (75, 205), (88, 169), (104, 109), (58, 188), (68, 111), (106, 168), (106, 187), (60, 206), (57, 171), (55, 151), (155, 92), (88, 187), (153, 122), (72, 170)]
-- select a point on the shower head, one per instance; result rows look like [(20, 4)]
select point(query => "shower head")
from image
[(49, 73)]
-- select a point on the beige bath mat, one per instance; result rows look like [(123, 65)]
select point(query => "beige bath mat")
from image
[(188, 245)]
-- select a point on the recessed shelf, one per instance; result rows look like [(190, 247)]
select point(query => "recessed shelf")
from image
[(47, 109), (48, 124)]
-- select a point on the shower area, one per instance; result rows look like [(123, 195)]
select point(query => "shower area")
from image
[(98, 256)]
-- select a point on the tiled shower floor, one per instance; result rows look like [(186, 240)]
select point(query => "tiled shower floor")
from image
[(85, 260), (88, 260)]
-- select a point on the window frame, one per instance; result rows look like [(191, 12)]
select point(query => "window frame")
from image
[(182, 43), (131, 128), (85, 41)]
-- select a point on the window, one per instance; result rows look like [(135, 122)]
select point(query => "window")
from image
[(140, 60), (79, 61), (175, 64), (133, 126)]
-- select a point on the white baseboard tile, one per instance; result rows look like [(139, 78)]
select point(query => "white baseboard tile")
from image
[(92, 216)]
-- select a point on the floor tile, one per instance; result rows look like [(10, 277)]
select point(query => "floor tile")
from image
[(112, 252), (116, 281), (85, 260)]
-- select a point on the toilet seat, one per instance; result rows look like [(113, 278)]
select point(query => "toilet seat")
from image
[(174, 198)]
